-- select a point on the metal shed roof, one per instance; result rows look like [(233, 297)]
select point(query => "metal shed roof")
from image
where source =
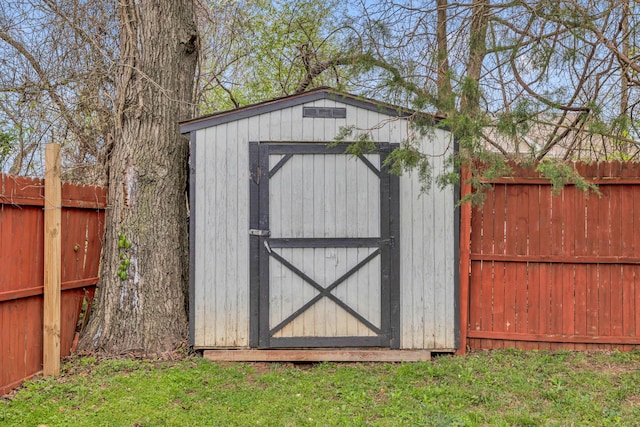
[(291, 101)]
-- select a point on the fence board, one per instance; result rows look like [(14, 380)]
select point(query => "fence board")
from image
[(22, 266), (563, 267)]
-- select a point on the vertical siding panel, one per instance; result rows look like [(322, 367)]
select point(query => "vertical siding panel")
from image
[(308, 177), (341, 225), (441, 257), (408, 296), (362, 122), (428, 278), (329, 126), (297, 292), (453, 259), (318, 220), (275, 122), (301, 126), (201, 299), (287, 120), (329, 199), (341, 196), (222, 270), (427, 286), (295, 288), (241, 140), (360, 229), (351, 197), (221, 237), (286, 184), (297, 190), (276, 213), (280, 206), (254, 132), (338, 266), (315, 124), (309, 325), (353, 200), (236, 315), (372, 217), (307, 129), (429, 272), (324, 277), (277, 282), (374, 229), (352, 115), (420, 255), (330, 218), (286, 288), (210, 282), (372, 283)]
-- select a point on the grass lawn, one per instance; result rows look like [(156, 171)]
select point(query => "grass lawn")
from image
[(487, 388)]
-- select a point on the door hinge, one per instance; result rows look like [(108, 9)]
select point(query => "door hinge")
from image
[(259, 233)]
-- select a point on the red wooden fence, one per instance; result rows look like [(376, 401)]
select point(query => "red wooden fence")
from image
[(22, 269), (550, 272)]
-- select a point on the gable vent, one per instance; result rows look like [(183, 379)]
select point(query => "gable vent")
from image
[(324, 112)]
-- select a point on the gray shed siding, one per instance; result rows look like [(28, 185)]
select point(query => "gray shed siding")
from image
[(220, 318)]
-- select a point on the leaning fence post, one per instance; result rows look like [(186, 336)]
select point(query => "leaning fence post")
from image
[(52, 260)]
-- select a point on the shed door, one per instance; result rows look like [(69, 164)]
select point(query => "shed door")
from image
[(324, 261)]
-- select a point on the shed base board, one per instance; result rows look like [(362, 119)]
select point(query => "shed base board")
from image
[(338, 355)]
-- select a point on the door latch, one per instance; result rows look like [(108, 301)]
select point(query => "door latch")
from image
[(259, 233), (391, 241)]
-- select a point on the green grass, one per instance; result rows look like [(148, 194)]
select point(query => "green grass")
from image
[(500, 388)]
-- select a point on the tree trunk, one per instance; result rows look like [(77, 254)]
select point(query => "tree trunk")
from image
[(477, 51), (446, 103), (141, 299)]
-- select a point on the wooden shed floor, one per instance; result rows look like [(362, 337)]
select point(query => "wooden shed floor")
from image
[(317, 355)]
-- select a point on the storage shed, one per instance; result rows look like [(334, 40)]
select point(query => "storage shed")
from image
[(297, 245)]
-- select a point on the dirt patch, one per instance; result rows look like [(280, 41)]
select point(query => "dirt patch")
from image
[(593, 361), (633, 401)]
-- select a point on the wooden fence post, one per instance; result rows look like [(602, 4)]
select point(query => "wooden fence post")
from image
[(465, 258), (52, 260)]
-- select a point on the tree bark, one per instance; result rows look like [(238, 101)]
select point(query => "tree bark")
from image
[(477, 52), (444, 77), (141, 299)]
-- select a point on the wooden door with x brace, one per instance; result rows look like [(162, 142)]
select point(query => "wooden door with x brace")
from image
[(324, 256)]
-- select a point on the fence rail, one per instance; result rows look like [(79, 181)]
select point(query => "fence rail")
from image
[(22, 269), (556, 271)]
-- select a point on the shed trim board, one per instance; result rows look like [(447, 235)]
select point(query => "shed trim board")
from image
[(226, 234), (321, 355), (192, 233), (456, 272)]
